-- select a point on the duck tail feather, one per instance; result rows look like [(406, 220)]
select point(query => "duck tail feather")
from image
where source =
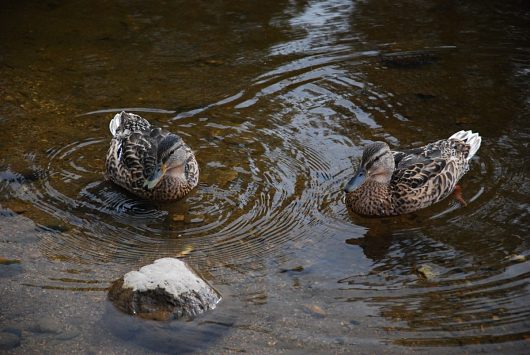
[(473, 139), (115, 123)]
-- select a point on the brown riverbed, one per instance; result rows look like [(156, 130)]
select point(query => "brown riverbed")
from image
[(277, 99)]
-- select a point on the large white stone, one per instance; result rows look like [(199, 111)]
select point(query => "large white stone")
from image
[(168, 288)]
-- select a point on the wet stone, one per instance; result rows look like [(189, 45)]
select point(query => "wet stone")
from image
[(6, 261), (517, 258), (178, 217), (68, 334), (339, 340), (314, 310), (12, 330), (9, 98), (298, 268), (46, 325), (167, 289), (187, 250), (425, 96), (214, 62), (426, 272), (10, 267), (9, 340)]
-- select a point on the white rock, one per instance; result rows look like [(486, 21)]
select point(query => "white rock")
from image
[(166, 289)]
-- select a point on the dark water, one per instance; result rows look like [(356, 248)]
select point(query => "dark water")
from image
[(278, 100)]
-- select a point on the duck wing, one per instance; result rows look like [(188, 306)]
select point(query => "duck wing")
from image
[(422, 184), (427, 174), (136, 148), (418, 171), (443, 149), (138, 157), (423, 155)]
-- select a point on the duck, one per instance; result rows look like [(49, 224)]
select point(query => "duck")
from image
[(149, 161), (391, 183)]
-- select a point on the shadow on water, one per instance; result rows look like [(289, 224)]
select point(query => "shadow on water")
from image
[(171, 337), (278, 101)]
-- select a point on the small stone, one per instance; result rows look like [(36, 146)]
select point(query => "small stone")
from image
[(10, 268), (46, 325), (214, 62), (425, 96), (5, 261), (517, 258), (70, 334), (426, 272), (8, 341), (315, 310), (187, 249), (339, 340), (298, 268), (60, 257)]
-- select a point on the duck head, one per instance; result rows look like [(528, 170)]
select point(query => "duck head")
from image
[(377, 164), (172, 156)]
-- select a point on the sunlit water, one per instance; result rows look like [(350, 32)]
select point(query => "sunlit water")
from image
[(278, 102)]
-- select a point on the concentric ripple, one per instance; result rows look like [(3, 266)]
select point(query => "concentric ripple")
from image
[(256, 194)]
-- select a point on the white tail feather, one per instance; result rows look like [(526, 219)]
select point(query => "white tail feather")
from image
[(114, 124), (473, 139)]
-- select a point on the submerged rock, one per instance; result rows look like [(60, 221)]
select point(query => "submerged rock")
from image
[(46, 325), (427, 272), (6, 261), (314, 310), (166, 289), (9, 340), (517, 258)]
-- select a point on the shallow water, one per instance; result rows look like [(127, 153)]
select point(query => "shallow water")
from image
[(278, 101)]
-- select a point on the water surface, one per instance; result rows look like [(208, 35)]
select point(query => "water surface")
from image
[(278, 101)]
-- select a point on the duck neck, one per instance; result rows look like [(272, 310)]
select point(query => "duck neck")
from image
[(371, 199), (381, 178)]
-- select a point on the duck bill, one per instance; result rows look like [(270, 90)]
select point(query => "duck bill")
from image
[(155, 177), (356, 181)]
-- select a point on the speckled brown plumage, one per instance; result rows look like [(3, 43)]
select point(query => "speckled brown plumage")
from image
[(407, 181), (136, 151)]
